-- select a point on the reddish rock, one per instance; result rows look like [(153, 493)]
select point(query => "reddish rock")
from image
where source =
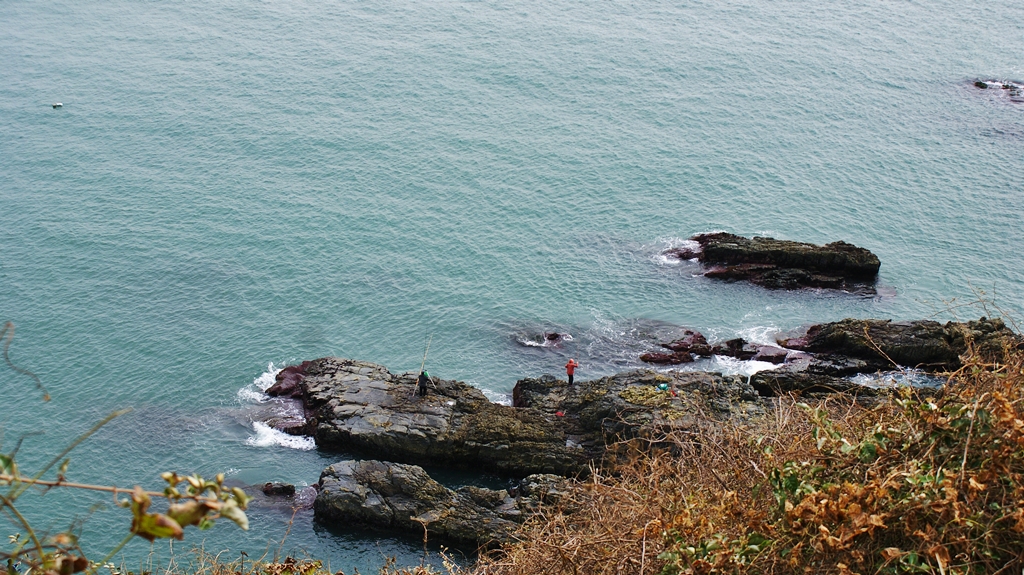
[(286, 382), (688, 342), (771, 354)]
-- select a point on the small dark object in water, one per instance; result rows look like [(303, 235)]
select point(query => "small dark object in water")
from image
[(278, 489), (981, 84)]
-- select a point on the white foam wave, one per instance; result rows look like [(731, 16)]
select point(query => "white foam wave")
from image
[(254, 392), (760, 334), (666, 244), (727, 366), (267, 436), (909, 377), (497, 397)]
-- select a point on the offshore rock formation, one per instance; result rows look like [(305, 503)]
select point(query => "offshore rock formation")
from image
[(394, 496), (782, 264)]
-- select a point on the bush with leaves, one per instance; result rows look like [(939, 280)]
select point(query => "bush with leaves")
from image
[(191, 500)]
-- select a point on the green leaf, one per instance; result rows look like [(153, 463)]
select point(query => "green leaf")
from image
[(189, 512), (241, 497), (232, 511), (154, 526)]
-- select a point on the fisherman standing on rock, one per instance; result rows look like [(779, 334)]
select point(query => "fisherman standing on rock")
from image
[(422, 382)]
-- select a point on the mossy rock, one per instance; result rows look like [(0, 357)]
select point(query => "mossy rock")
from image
[(646, 396)]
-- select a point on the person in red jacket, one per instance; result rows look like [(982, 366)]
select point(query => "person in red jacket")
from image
[(570, 368)]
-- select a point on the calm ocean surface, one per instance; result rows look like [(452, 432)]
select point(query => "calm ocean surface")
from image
[(232, 187)]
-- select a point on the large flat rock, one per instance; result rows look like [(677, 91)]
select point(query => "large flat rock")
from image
[(362, 408)]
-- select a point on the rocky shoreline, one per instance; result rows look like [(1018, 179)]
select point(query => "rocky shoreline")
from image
[(553, 430)]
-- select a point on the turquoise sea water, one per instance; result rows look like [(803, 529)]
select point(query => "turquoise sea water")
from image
[(233, 185)]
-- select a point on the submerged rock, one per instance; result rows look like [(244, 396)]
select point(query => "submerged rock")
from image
[(783, 264), (394, 496), (278, 489)]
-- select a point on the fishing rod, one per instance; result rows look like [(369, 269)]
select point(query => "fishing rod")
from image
[(424, 362)]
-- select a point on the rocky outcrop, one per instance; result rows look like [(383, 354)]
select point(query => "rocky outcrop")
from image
[(362, 408), (394, 496), (859, 346), (782, 264), (854, 346), (640, 403)]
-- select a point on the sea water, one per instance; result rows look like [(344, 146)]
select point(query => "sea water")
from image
[(231, 187)]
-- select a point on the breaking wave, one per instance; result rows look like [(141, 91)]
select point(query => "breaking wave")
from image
[(267, 436)]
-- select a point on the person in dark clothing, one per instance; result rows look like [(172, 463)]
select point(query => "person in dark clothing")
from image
[(422, 381)]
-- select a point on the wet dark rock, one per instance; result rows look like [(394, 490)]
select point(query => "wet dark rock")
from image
[(278, 489), (395, 496), (981, 84), (674, 358), (683, 253), (783, 264), (738, 348), (859, 346), (783, 381)]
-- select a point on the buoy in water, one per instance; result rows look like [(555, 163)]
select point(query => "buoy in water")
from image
[(57, 105)]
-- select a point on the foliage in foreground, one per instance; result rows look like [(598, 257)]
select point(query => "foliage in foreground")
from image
[(915, 484)]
